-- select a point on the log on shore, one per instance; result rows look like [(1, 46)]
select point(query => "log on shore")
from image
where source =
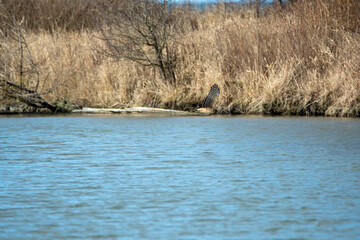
[(145, 110)]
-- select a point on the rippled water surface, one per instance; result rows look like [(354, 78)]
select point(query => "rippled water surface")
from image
[(111, 177)]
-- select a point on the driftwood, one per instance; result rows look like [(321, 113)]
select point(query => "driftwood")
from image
[(142, 110)]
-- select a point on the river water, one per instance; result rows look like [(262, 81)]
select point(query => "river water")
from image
[(154, 177)]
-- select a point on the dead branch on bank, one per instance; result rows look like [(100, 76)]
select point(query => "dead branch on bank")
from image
[(20, 77)]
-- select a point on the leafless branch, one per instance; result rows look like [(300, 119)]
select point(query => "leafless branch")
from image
[(139, 31)]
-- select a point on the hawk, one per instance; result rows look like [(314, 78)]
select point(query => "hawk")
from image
[(206, 107)]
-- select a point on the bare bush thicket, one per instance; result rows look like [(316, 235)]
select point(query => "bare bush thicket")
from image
[(139, 31)]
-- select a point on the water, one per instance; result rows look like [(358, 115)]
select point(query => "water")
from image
[(111, 177)]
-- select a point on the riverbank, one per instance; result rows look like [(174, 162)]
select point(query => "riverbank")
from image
[(24, 109), (303, 60)]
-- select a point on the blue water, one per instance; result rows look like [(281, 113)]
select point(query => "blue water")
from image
[(112, 177)]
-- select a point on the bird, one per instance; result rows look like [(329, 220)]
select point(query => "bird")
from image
[(206, 107)]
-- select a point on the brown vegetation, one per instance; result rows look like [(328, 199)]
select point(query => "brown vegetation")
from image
[(302, 60)]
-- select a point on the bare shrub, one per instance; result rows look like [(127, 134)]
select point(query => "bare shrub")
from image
[(139, 31)]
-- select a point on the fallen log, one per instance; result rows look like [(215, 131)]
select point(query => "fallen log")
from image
[(145, 110)]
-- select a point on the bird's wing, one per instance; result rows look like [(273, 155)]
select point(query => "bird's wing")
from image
[(211, 97)]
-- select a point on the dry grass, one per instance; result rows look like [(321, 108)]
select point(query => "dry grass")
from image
[(51, 15), (305, 61)]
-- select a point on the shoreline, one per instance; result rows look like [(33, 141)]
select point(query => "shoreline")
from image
[(147, 111)]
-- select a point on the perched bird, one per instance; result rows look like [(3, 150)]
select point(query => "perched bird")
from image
[(206, 107)]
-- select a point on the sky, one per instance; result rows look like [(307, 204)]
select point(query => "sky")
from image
[(199, 1), (209, 1)]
